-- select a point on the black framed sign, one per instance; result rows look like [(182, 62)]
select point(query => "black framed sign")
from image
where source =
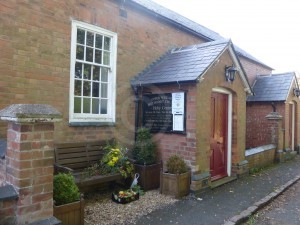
[(164, 112)]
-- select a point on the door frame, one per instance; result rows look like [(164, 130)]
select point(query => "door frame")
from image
[(293, 125), (229, 125)]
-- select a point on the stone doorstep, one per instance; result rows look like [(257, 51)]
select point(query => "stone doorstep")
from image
[(217, 183)]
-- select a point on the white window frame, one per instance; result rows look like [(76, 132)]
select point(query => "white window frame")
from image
[(111, 108)]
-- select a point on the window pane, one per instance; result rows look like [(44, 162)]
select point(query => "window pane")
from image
[(103, 90), (103, 106), (104, 74), (77, 105), (86, 88), (99, 41), (87, 71), (77, 88), (95, 106), (90, 39), (106, 59), (96, 73), (98, 56), (89, 54), (78, 70), (79, 52), (80, 36), (86, 105), (107, 43), (95, 89)]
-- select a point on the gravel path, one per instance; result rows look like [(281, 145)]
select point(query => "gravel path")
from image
[(100, 209)]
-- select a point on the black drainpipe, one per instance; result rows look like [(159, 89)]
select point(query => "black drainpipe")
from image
[(137, 109)]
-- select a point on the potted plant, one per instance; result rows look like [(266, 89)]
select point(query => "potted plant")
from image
[(176, 180), (144, 154), (68, 203)]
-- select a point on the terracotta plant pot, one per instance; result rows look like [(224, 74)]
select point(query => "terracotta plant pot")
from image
[(149, 176), (70, 214), (177, 185)]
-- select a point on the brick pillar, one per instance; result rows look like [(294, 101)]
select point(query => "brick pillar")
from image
[(277, 137), (29, 159), (275, 120)]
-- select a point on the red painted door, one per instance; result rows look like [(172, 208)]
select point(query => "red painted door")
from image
[(218, 135)]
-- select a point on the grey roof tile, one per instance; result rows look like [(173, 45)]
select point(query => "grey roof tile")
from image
[(179, 65), (203, 31), (274, 87)]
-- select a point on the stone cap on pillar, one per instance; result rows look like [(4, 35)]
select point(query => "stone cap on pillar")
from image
[(30, 113), (274, 116)]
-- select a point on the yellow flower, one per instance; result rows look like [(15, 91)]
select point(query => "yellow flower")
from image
[(115, 159), (111, 163)]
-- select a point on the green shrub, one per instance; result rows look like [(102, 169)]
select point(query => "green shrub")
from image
[(144, 150), (176, 165), (64, 189)]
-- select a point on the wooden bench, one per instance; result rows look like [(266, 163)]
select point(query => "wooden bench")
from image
[(75, 157)]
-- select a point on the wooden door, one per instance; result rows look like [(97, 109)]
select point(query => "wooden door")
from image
[(218, 135)]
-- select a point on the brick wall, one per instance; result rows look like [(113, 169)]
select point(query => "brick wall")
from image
[(29, 162), (253, 69), (264, 157), (194, 147), (258, 131), (35, 60), (30, 169), (180, 144), (8, 210), (215, 78)]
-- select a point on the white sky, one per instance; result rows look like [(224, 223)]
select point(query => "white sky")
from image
[(267, 29)]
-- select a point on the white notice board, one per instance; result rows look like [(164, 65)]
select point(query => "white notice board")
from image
[(178, 111)]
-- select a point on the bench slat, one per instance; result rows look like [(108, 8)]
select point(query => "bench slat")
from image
[(73, 155), (78, 156)]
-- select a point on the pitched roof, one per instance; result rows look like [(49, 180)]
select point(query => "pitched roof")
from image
[(190, 25), (187, 64), (275, 87), (182, 64)]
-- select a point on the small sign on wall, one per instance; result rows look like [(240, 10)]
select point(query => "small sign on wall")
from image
[(178, 111), (164, 112)]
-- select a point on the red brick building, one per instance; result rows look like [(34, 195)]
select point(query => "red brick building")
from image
[(276, 92), (79, 57)]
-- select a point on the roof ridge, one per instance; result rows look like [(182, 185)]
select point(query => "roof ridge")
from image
[(191, 25), (201, 45)]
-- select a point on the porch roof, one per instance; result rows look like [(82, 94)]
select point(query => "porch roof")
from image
[(274, 87), (184, 64)]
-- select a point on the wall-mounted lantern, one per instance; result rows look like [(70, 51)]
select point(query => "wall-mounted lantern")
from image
[(297, 92), (230, 72)]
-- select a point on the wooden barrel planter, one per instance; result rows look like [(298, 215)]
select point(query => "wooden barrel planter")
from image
[(70, 214), (177, 185), (149, 176)]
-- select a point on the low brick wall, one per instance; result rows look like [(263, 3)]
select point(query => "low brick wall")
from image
[(8, 205), (8, 211), (261, 156)]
